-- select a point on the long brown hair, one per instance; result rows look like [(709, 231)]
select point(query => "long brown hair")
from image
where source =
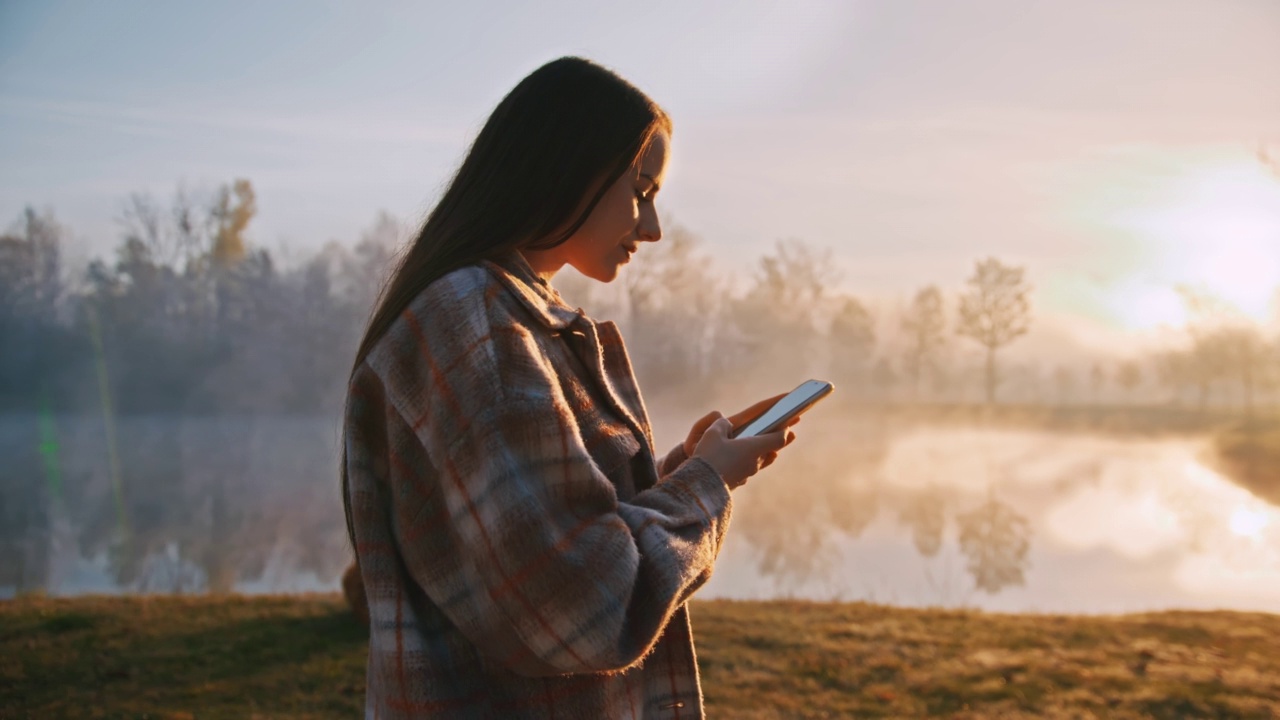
[(563, 135)]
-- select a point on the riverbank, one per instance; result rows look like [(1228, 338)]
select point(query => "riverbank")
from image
[(303, 657)]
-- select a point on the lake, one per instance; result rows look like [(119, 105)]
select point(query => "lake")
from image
[(1116, 525), (854, 510)]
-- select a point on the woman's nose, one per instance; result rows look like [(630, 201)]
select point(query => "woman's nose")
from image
[(649, 229)]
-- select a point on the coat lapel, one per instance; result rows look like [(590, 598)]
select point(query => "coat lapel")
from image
[(599, 347)]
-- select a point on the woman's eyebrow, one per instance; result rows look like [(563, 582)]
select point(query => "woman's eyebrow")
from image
[(649, 177)]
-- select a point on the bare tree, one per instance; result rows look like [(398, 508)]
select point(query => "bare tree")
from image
[(925, 325), (995, 311)]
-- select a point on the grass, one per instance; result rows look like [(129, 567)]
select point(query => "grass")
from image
[(812, 660), (303, 657)]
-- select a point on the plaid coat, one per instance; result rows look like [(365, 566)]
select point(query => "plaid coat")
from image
[(524, 553)]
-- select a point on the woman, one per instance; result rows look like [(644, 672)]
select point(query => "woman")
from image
[(523, 551)]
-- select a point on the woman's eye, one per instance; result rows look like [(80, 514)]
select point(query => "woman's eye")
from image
[(643, 195)]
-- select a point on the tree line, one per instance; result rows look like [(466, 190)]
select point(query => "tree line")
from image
[(174, 350), (190, 316)]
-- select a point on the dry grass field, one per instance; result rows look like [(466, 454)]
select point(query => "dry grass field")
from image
[(303, 657)]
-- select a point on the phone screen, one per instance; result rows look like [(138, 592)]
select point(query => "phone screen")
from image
[(794, 403)]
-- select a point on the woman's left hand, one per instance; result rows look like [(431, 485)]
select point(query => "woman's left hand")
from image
[(738, 419)]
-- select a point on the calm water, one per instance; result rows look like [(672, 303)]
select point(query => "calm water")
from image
[(1113, 524), (1116, 525)]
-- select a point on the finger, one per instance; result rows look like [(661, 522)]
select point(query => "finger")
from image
[(790, 438), (721, 426), (768, 459), (705, 421), (769, 442), (698, 430)]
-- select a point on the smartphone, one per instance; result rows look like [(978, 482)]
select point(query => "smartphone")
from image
[(797, 401)]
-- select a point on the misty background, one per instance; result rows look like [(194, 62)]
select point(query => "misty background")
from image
[(1036, 248)]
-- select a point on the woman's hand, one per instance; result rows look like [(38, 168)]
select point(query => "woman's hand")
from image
[(738, 419), (737, 459)]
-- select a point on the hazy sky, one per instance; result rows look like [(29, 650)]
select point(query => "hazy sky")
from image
[(1108, 146)]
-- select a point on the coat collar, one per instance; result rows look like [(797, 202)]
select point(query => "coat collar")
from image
[(536, 294)]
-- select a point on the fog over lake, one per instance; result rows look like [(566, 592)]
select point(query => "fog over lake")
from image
[(858, 509)]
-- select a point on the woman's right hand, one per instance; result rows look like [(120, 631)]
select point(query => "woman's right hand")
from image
[(737, 459)]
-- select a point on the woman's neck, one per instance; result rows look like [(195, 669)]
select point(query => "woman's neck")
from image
[(545, 263)]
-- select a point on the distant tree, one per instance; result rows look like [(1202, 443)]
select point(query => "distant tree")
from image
[(1097, 382), (233, 209), (884, 378), (924, 325), (31, 267), (995, 539), (1172, 370), (773, 324), (172, 239), (1246, 359), (365, 270), (1129, 376), (1226, 348), (669, 285), (40, 356), (853, 341), (995, 311), (1064, 381)]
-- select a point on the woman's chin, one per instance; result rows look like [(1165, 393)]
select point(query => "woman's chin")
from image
[(605, 273)]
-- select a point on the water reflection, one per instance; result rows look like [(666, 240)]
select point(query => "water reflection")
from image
[(1010, 520), (858, 509), (218, 503)]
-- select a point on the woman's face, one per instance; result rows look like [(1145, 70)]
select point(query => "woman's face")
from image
[(624, 218)]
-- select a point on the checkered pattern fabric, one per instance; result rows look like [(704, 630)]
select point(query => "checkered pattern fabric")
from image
[(524, 553)]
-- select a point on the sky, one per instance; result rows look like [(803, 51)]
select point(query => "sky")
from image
[(1108, 147)]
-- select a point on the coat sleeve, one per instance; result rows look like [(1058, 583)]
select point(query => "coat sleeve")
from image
[(546, 571), (672, 460)]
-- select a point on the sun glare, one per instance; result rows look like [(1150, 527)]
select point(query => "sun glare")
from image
[(1248, 522), (1213, 228)]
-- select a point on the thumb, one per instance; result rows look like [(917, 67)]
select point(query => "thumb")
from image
[(699, 429), (769, 442)]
